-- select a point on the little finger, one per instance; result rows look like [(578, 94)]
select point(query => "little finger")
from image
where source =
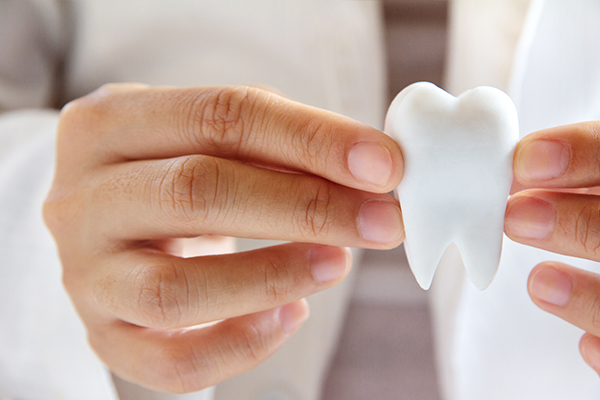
[(182, 361)]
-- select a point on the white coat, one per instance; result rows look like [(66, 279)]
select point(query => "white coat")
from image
[(491, 345), (326, 54), (497, 344)]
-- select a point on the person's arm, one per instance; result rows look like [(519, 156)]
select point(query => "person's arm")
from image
[(139, 167), (562, 221)]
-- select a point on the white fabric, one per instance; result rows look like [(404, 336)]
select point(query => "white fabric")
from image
[(324, 53), (483, 36), (43, 348), (501, 346), (493, 345)]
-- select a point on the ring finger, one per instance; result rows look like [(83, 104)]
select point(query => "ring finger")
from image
[(564, 223), (159, 291), (573, 295)]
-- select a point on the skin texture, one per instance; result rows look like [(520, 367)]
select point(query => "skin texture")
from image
[(560, 212), (140, 169)]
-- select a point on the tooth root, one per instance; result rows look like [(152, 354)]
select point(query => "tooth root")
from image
[(479, 242), (427, 241), (427, 262), (423, 258), (480, 252)]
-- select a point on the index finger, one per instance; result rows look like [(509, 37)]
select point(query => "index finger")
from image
[(562, 157), (241, 123)]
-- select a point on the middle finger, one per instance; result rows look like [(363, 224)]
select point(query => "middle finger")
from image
[(564, 223), (194, 195)]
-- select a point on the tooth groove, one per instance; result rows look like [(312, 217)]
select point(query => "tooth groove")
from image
[(458, 156)]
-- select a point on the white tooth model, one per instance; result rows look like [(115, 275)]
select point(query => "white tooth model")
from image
[(458, 155)]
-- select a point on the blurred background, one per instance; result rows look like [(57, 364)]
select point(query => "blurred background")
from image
[(388, 310)]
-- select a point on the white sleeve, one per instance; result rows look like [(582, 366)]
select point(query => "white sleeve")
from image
[(43, 348), (497, 344)]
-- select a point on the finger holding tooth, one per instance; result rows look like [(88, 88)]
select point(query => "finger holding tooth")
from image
[(562, 215), (562, 157), (565, 223)]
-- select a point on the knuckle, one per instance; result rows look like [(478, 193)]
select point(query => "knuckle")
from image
[(591, 130), (71, 119), (179, 370), (224, 117), (93, 102), (594, 311), (52, 213), (277, 287), (313, 140), (162, 294), (587, 229), (60, 211), (70, 279), (170, 367), (91, 110), (313, 211), (70, 111), (193, 188), (251, 345)]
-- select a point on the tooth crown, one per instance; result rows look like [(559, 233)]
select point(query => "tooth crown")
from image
[(458, 155)]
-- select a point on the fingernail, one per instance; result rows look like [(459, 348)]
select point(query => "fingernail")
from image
[(552, 286), (542, 159), (591, 352), (529, 218), (327, 263), (380, 221), (292, 315), (370, 163)]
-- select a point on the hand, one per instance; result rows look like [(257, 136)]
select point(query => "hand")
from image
[(563, 217), (139, 167)]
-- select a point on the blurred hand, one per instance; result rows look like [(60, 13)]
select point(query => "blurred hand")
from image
[(139, 167), (563, 217)]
